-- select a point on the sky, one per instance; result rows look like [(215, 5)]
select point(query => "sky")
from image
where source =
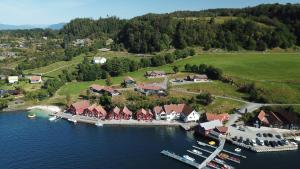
[(43, 12)]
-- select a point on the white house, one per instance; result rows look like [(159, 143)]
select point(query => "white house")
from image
[(99, 60), (13, 79), (175, 112)]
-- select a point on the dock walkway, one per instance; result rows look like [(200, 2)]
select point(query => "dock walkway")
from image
[(179, 158)]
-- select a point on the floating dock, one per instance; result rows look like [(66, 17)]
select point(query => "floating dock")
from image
[(179, 158)]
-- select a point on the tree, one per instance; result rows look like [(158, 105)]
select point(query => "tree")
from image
[(175, 69), (188, 67), (204, 99), (108, 80), (105, 100)]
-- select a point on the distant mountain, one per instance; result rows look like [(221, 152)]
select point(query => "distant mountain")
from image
[(15, 27), (56, 26)]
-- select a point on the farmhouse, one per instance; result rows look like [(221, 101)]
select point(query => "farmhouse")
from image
[(221, 117), (269, 119), (99, 60), (115, 113), (143, 114), (155, 74), (35, 79), (149, 89), (197, 78), (78, 107), (95, 111), (129, 81), (126, 114), (102, 89), (12, 79)]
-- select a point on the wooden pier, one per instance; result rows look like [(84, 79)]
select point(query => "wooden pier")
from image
[(179, 158)]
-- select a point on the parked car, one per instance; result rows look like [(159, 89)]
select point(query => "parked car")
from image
[(258, 135), (265, 135), (266, 142), (278, 136), (270, 135)]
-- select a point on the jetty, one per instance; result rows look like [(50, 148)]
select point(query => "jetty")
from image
[(179, 158)]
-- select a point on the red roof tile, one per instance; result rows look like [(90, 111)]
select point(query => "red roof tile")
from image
[(80, 106), (222, 117), (126, 111)]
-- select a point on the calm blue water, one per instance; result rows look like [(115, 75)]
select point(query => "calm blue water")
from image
[(40, 144)]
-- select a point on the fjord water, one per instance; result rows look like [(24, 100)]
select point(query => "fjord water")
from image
[(40, 144)]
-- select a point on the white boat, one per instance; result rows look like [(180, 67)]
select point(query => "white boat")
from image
[(197, 152), (188, 158), (201, 144), (53, 118), (98, 124), (219, 161), (238, 150), (72, 120)]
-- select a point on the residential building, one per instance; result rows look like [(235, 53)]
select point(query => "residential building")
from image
[(129, 81), (13, 79), (35, 79), (155, 74), (78, 107), (95, 111), (99, 60), (221, 117), (102, 89), (149, 89), (269, 119), (176, 112), (143, 114), (197, 78), (126, 114), (115, 113)]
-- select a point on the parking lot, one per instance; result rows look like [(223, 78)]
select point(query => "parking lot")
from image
[(259, 139)]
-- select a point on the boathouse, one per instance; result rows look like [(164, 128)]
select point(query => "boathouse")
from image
[(143, 114), (78, 107), (95, 111), (126, 114), (115, 113)]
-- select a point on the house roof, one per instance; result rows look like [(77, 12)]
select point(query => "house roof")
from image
[(158, 109), (80, 106), (290, 117), (262, 117), (273, 118), (211, 124), (221, 117), (155, 72), (35, 78), (116, 110), (200, 77), (97, 87), (222, 129), (149, 87), (187, 110), (101, 110), (143, 111), (128, 78), (126, 111)]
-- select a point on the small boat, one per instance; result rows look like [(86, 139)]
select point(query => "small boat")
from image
[(212, 165), (219, 161), (197, 152), (201, 144), (52, 118), (98, 124), (188, 158), (225, 166), (72, 120), (31, 116), (212, 143), (238, 150)]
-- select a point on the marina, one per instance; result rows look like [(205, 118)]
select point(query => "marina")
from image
[(179, 158)]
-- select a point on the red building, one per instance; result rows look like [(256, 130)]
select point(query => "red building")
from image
[(222, 117), (78, 107), (95, 111), (143, 114), (115, 113), (126, 114)]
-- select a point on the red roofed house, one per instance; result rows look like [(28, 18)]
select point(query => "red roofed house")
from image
[(115, 113), (126, 114), (101, 89), (143, 114), (95, 111), (149, 89), (188, 114), (269, 119), (222, 117), (35, 79), (78, 107), (221, 129)]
